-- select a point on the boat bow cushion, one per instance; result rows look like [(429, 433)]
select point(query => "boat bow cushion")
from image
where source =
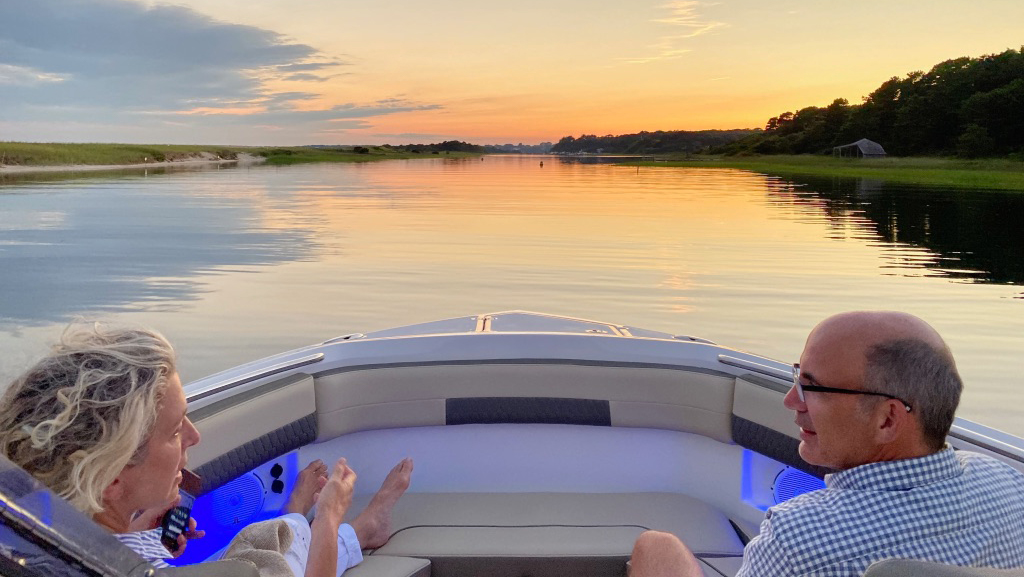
[(547, 533)]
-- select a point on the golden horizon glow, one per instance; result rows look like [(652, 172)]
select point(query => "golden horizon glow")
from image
[(534, 71)]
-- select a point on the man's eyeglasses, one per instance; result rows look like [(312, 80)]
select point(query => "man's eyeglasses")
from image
[(816, 387)]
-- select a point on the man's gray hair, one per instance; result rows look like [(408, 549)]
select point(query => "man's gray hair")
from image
[(86, 411), (923, 376)]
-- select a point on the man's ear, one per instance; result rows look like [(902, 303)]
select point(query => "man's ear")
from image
[(892, 419)]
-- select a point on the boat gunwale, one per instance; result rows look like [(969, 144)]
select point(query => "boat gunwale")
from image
[(333, 354)]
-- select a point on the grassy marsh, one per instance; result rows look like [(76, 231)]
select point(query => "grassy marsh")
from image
[(1002, 174), (54, 154), (26, 154), (299, 154)]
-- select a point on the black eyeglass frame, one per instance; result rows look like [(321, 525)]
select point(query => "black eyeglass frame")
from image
[(816, 387)]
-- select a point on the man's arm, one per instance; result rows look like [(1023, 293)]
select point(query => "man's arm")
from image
[(657, 554)]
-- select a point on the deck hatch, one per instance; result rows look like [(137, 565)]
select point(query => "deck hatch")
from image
[(545, 410)]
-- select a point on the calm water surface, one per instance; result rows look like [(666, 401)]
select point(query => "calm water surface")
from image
[(237, 264)]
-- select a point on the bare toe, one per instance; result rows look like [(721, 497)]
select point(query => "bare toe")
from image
[(373, 526), (397, 481)]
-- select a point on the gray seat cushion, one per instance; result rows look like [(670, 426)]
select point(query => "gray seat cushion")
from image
[(547, 533), (388, 566), (372, 566), (222, 568), (910, 568)]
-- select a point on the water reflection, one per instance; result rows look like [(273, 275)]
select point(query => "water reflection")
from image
[(88, 243), (593, 158), (961, 234), (11, 179), (733, 256)]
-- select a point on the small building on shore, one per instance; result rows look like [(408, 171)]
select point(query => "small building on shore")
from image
[(863, 148)]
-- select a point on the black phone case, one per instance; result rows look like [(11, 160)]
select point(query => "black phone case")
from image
[(175, 521)]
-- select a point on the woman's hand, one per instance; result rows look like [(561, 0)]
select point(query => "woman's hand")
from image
[(335, 498), (187, 536), (336, 495), (149, 519)]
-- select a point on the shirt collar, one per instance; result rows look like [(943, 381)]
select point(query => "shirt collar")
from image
[(898, 475)]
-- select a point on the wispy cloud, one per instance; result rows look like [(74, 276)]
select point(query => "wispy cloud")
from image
[(25, 76), (124, 63), (306, 77), (278, 109), (682, 14), (307, 66), (414, 136), (345, 126)]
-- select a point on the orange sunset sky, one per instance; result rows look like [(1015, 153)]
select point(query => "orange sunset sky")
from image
[(340, 71)]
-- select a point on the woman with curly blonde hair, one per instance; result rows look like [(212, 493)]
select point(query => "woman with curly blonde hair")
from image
[(102, 420), (85, 412)]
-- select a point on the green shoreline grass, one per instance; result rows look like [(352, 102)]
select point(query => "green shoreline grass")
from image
[(992, 174), (25, 154)]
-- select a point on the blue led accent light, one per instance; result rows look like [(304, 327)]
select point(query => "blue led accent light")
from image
[(792, 482), (235, 504), (226, 510), (222, 513)]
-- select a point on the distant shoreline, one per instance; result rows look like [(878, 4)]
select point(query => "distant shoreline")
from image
[(30, 168), (27, 158), (987, 174)]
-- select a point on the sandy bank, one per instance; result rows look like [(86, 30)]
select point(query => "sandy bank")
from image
[(204, 158)]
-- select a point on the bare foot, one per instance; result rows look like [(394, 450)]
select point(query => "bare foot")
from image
[(307, 488), (373, 525)]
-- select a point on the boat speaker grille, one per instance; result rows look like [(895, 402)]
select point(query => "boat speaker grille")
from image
[(238, 501), (792, 482)]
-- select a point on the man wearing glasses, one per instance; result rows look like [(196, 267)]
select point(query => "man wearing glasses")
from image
[(874, 395)]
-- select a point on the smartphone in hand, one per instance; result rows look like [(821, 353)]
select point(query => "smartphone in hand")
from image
[(175, 521)]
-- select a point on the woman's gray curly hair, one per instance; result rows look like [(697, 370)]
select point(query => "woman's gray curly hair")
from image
[(85, 411)]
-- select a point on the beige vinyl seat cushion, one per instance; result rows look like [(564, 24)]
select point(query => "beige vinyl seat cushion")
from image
[(913, 568), (373, 566), (387, 566), (222, 568), (547, 533)]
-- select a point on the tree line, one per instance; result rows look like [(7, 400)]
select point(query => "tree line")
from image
[(460, 146), (437, 147), (659, 142), (971, 107)]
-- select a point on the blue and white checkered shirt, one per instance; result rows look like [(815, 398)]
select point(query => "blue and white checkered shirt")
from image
[(950, 507)]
